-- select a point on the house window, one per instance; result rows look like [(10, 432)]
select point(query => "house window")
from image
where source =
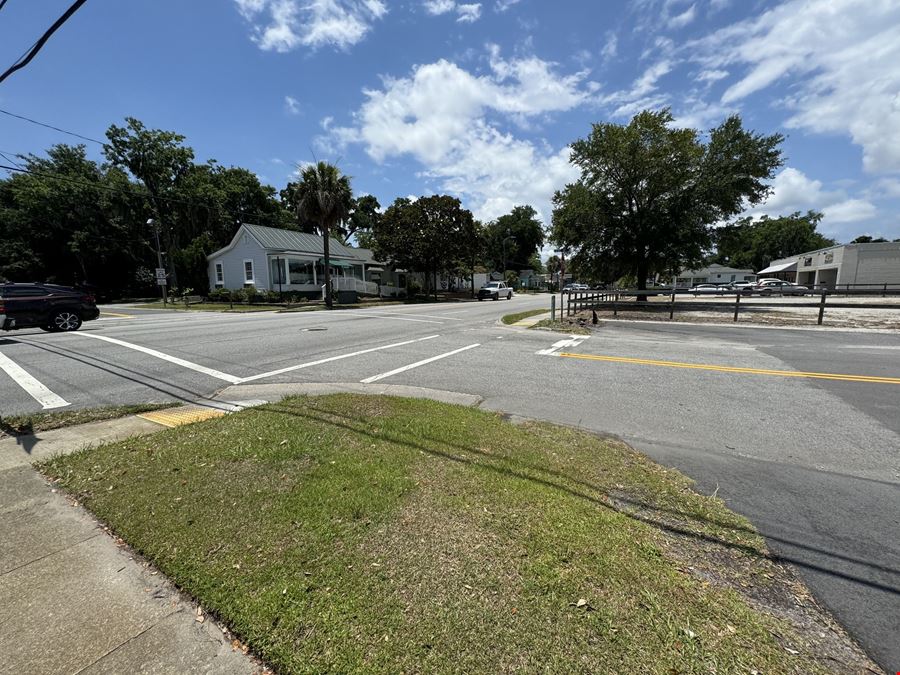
[(249, 277), (278, 271), (300, 271), (220, 275), (807, 262), (829, 257)]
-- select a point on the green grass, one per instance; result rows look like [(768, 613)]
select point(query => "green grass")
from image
[(372, 534), (210, 307), (518, 316), (34, 422)]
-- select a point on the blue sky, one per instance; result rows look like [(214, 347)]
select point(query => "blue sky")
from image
[(475, 99)]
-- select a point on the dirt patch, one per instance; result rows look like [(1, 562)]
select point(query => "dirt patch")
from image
[(767, 585), (834, 318)]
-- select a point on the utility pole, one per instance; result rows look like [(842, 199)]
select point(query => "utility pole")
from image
[(159, 262)]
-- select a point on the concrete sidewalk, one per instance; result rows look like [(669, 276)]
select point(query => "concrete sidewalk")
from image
[(73, 598)]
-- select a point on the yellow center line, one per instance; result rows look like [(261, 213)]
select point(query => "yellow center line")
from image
[(124, 316), (733, 369)]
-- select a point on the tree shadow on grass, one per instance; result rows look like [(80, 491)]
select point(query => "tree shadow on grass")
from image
[(597, 496)]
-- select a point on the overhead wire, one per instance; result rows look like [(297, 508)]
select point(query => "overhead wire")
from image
[(30, 53)]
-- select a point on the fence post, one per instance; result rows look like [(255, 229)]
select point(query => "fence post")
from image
[(672, 305), (822, 308), (737, 305), (615, 305), (884, 292), (553, 308)]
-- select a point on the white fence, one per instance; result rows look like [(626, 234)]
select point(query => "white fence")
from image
[(353, 284)]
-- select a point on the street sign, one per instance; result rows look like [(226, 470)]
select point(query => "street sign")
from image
[(160, 274)]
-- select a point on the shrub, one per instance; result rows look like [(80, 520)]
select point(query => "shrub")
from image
[(220, 295)]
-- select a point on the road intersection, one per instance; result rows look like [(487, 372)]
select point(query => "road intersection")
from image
[(797, 429)]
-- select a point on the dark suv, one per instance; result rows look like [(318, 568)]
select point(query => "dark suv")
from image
[(45, 306)]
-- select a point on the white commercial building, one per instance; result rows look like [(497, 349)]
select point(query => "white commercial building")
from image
[(872, 264), (714, 274)]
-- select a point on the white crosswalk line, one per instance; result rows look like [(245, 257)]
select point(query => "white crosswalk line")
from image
[(403, 369), (233, 379), (333, 358), (35, 389)]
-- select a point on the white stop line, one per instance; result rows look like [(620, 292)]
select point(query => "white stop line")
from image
[(35, 389)]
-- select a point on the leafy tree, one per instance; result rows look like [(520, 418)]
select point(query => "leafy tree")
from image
[(754, 244), (365, 213), (159, 160), (324, 197), (430, 235), (867, 239), (523, 235), (552, 264), (68, 221), (649, 193)]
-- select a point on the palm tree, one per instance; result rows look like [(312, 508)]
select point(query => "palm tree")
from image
[(324, 197)]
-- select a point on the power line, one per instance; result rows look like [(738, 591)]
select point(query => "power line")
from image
[(50, 126), (25, 60), (138, 193)]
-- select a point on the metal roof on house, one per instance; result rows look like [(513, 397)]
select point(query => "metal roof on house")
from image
[(274, 238)]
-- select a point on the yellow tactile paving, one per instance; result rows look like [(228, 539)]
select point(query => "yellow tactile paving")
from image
[(175, 417)]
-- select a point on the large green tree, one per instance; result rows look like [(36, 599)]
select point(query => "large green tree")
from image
[(159, 160), (649, 193), (324, 197), (66, 220), (430, 235), (514, 239), (749, 243), (365, 213)]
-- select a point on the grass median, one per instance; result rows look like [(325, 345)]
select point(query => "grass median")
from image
[(518, 316), (373, 534), (46, 421)]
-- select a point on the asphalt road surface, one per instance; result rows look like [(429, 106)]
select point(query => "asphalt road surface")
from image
[(797, 429)]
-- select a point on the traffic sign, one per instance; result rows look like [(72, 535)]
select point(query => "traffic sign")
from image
[(160, 274)]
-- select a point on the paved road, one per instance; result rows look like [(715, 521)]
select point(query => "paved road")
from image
[(813, 461)]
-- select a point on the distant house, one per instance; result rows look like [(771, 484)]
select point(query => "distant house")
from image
[(872, 264), (273, 259), (714, 274)]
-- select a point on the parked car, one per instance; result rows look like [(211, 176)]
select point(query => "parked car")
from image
[(575, 288), (741, 285), (495, 290), (46, 306), (778, 287), (707, 289)]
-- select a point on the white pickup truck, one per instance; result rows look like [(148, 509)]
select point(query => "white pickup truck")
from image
[(495, 290)]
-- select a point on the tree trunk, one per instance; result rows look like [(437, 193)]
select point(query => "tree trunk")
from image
[(642, 279), (327, 259)]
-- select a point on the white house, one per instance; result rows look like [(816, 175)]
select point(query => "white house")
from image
[(714, 274), (870, 264), (273, 259)]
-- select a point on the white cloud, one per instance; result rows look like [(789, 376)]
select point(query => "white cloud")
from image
[(792, 190), (711, 76), (839, 59), (283, 25), (292, 105), (445, 117), (683, 19), (438, 7), (466, 13), (610, 47), (503, 5)]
